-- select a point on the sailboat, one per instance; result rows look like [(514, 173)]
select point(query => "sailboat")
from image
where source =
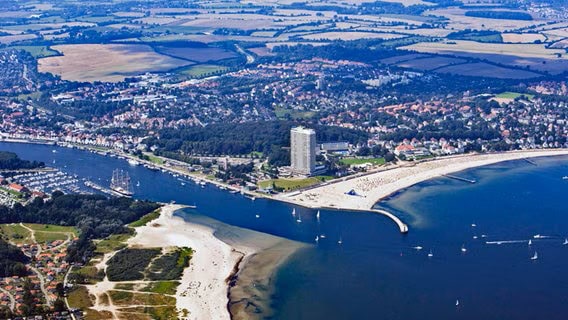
[(318, 215), (463, 249), (317, 239), (299, 220), (257, 216), (417, 248), (565, 242), (535, 256), (457, 302), (430, 255), (339, 241), (294, 212), (120, 183), (530, 242), (138, 183)]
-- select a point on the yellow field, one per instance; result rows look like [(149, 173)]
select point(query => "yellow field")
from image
[(459, 21), (522, 37), (460, 46), (15, 38), (106, 62), (350, 36)]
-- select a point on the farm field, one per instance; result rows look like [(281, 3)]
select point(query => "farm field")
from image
[(202, 70), (106, 62), (462, 46), (459, 21), (37, 51), (481, 69), (430, 63), (522, 37), (196, 54), (346, 36), (15, 38), (534, 56)]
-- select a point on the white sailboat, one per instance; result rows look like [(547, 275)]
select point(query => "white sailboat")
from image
[(457, 302), (299, 220), (535, 256), (565, 242), (318, 216), (530, 242), (138, 183), (463, 249), (257, 216), (294, 212), (317, 239), (340, 242), (418, 248), (430, 255)]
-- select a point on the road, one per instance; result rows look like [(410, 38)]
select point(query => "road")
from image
[(12, 300), (250, 57)]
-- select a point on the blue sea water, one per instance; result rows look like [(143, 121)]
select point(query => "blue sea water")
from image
[(375, 273)]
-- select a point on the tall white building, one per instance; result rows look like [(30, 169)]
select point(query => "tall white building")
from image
[(303, 150)]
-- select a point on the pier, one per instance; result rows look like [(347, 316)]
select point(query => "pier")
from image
[(401, 225), (459, 178)]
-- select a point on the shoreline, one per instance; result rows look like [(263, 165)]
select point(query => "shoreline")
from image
[(397, 178), (202, 293), (375, 186), (221, 270)]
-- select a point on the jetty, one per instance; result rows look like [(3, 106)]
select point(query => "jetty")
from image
[(401, 225), (530, 161), (459, 178)]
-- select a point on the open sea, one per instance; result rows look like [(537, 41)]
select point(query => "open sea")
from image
[(376, 273)]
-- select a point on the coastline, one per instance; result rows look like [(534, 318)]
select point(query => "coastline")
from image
[(214, 286), (203, 289), (375, 186), (371, 187)]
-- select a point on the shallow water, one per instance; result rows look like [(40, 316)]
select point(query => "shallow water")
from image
[(375, 273)]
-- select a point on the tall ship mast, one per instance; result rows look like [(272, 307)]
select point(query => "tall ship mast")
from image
[(120, 183)]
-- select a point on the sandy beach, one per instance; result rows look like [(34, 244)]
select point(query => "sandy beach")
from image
[(203, 289), (221, 266), (375, 186)]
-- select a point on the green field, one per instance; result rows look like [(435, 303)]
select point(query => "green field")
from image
[(152, 158), (202, 70), (145, 219), (283, 113), (359, 161), (162, 287), (113, 243), (37, 51), (514, 95), (79, 298), (49, 236), (293, 184), (51, 228), (15, 233)]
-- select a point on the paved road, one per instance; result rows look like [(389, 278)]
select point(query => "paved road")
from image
[(12, 300)]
